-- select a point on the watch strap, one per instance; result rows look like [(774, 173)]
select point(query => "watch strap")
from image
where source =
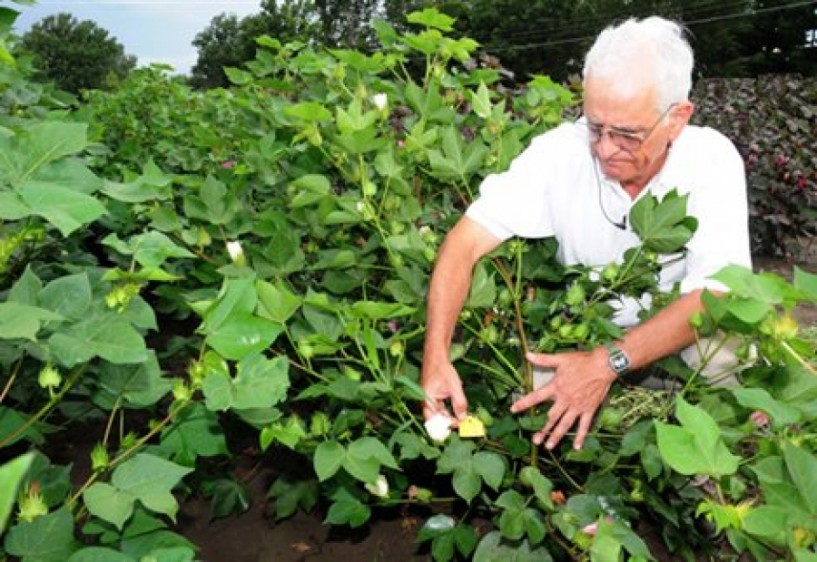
[(618, 361)]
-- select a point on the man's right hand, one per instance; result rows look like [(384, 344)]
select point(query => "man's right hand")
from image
[(442, 383)]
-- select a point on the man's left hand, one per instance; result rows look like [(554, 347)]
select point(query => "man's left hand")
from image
[(579, 386)]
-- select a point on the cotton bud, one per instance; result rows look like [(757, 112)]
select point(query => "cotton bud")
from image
[(438, 427), (236, 252), (381, 101), (379, 488)]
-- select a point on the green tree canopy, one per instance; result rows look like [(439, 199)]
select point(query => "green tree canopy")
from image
[(76, 55)]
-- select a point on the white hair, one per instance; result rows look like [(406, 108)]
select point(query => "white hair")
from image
[(652, 50)]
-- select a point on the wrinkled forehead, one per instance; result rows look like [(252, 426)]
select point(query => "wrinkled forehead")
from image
[(618, 101)]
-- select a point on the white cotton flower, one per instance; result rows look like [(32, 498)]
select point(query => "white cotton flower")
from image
[(438, 427), (236, 251), (380, 488), (380, 101)]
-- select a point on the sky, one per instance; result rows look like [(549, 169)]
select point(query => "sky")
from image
[(151, 30)]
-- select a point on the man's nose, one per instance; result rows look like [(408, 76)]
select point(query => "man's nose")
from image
[(605, 147)]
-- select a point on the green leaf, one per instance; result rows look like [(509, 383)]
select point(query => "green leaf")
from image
[(150, 479), (196, 432), (697, 447), (227, 497), (11, 474), (802, 468), (491, 468), (68, 296), (49, 538), (308, 111), (542, 486), (11, 421), (140, 385), (759, 399), (106, 335), (348, 511), (150, 249), (366, 448), (380, 310), (290, 494), (288, 433), (277, 303), (236, 296), (237, 76), (431, 17), (23, 321), (66, 209), (481, 101), (768, 522), (109, 504), (765, 288), (662, 226), (805, 282), (99, 554), (259, 383), (41, 144), (328, 458), (492, 549), (242, 335)]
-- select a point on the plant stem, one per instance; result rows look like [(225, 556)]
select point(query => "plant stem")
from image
[(46, 408), (124, 455), (796, 356), (11, 380)]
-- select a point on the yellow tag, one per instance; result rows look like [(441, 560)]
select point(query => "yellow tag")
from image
[(472, 426)]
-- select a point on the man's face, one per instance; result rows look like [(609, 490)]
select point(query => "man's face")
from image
[(628, 118)]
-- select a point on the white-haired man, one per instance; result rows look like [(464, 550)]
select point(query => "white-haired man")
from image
[(577, 182)]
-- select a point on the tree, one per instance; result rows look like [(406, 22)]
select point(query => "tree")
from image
[(75, 55), (228, 41), (777, 40)]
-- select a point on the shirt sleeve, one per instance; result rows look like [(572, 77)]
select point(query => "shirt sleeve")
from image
[(515, 202), (721, 206)]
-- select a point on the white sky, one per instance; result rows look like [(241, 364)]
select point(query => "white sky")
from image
[(151, 30)]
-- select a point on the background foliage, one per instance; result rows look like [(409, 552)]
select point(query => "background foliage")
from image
[(772, 120)]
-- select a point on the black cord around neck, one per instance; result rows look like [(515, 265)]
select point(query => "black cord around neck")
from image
[(621, 225)]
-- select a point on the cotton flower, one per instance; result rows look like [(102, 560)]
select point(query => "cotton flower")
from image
[(760, 418), (380, 101), (236, 252), (438, 427), (379, 488)]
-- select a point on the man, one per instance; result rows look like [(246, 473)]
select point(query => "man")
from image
[(577, 182)]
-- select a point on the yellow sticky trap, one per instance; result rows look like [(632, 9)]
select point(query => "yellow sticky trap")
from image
[(471, 426)]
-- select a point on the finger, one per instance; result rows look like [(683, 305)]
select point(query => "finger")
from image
[(532, 399), (554, 415), (542, 359), (584, 427), (433, 407), (564, 425), (458, 402)]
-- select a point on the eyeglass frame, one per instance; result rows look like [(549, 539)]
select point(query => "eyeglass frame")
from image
[(617, 133)]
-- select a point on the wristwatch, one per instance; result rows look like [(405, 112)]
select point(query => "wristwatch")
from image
[(618, 360)]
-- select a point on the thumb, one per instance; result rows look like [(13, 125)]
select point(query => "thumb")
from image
[(543, 359)]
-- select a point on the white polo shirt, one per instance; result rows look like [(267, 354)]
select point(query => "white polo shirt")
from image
[(551, 189)]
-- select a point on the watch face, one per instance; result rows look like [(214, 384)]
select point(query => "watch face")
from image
[(619, 362)]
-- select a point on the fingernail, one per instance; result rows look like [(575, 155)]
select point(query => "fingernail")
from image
[(550, 445)]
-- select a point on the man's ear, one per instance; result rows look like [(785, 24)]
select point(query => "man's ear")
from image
[(681, 115)]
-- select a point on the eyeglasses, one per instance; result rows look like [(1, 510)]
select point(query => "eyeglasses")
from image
[(629, 141)]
